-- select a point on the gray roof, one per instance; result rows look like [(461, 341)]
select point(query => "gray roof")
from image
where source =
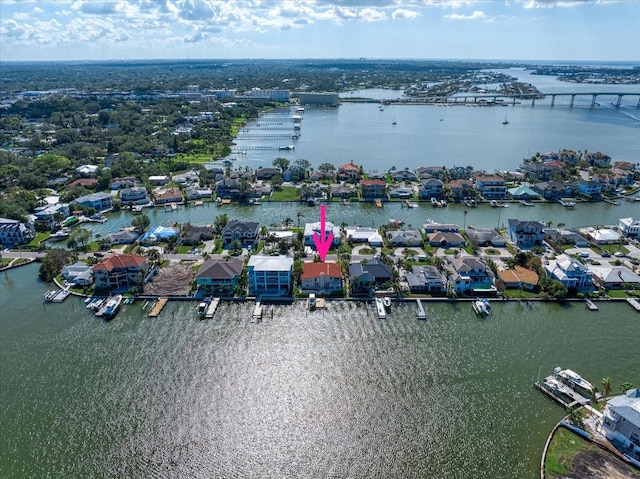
[(220, 269)]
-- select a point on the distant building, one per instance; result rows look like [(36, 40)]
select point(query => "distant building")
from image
[(13, 233), (319, 99), (97, 201)]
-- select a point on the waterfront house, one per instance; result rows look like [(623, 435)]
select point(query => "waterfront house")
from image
[(363, 234), (14, 233), (431, 188), (321, 278), (88, 183), (461, 188), (426, 279), (621, 422), (406, 238), (47, 216), (228, 188), (588, 187), (98, 201), (269, 276), (485, 237), (193, 235), (188, 178), (267, 173), (403, 192), (596, 159), (158, 180), (523, 192), (570, 272), (369, 275), (444, 239), (471, 275), (614, 277), (434, 227), (492, 187), (120, 271), (630, 227), (343, 191), (218, 276), (403, 175), (157, 234), (136, 195), (171, 195), (244, 232), (519, 278), (373, 190), (198, 192), (568, 156), (349, 172), (563, 236), (294, 174), (320, 175), (426, 172), (525, 234), (122, 237), (602, 235), (310, 230), (78, 274), (553, 190)]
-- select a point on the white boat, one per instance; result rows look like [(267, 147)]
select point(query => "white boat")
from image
[(49, 295), (202, 309), (380, 309), (60, 234), (556, 386), (481, 307), (112, 306), (287, 147), (573, 380), (311, 301)]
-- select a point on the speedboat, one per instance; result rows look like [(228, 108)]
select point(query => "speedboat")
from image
[(481, 307), (60, 234), (386, 301), (311, 301), (113, 305), (202, 309), (574, 381), (557, 387)]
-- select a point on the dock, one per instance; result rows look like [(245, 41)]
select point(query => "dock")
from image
[(257, 311), (378, 203), (591, 305), (60, 296), (635, 304), (569, 399), (420, 311), (157, 308), (211, 308)]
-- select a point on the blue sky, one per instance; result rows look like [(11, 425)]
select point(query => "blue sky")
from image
[(561, 30)]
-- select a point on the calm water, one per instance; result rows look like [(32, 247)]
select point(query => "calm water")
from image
[(324, 394)]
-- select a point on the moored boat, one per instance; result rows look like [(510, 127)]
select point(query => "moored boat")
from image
[(60, 234), (386, 301), (202, 309), (574, 381), (481, 307), (113, 306)]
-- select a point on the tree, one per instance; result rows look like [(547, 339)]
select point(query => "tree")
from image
[(220, 222), (624, 387), (80, 237), (51, 163), (606, 384), (327, 168), (141, 223), (287, 222), (52, 263), (281, 163)]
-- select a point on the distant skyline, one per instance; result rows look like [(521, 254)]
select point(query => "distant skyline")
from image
[(557, 30)]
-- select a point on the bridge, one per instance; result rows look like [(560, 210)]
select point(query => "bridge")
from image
[(501, 98)]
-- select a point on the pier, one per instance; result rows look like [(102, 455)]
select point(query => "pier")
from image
[(257, 311), (211, 308), (157, 308), (420, 311), (568, 399), (635, 304)]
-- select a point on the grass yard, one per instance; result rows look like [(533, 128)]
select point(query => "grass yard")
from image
[(286, 193)]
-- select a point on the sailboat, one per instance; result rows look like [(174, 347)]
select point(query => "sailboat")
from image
[(505, 122)]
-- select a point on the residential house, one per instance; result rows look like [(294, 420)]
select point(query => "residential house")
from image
[(588, 187), (88, 183), (563, 236), (97, 201), (443, 239), (244, 232), (486, 237), (228, 188), (294, 174), (471, 274), (14, 233), (459, 172), (349, 172), (363, 234), (614, 277), (269, 275), (122, 237), (120, 271), (432, 171), (158, 180), (403, 192), (519, 278), (218, 276), (426, 279), (407, 238), (159, 233), (492, 187), (267, 173), (621, 423), (171, 195), (343, 191), (630, 227), (403, 175), (602, 235), (373, 189), (195, 235), (568, 156), (136, 195), (434, 227), (321, 278), (198, 192), (525, 234), (570, 272), (370, 275), (461, 188), (553, 190), (320, 175), (87, 170), (523, 192), (596, 159), (310, 230), (118, 183), (431, 188), (79, 273)]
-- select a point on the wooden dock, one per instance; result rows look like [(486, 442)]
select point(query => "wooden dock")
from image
[(379, 203), (257, 311), (635, 304), (571, 400), (420, 311), (155, 311), (211, 308)]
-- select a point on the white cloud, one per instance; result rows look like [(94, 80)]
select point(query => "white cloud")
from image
[(477, 15), (21, 16), (38, 10), (404, 13), (560, 3), (371, 15)]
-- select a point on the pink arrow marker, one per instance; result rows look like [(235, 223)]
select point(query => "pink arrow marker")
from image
[(322, 240)]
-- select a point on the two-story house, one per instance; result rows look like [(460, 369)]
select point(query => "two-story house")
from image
[(588, 187), (120, 271), (461, 188), (431, 188), (49, 215), (136, 195), (366, 277), (97, 201), (407, 238), (171, 195), (492, 187), (269, 276), (14, 233), (310, 230), (570, 272), (245, 232), (218, 276), (426, 279), (373, 190), (630, 227), (349, 172), (621, 423), (525, 234), (471, 275), (321, 278)]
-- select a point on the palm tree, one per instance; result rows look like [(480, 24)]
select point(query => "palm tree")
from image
[(606, 384), (464, 225), (287, 222), (624, 387)]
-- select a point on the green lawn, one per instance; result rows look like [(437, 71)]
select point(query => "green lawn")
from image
[(564, 447), (286, 193)]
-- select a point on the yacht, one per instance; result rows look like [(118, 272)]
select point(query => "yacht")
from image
[(113, 305), (60, 234), (574, 381), (202, 309), (481, 307), (386, 301), (311, 301), (556, 387)]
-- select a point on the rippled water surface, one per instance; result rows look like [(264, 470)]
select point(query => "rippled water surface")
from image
[(335, 393)]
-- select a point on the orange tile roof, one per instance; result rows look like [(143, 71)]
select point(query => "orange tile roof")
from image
[(120, 261), (313, 270)]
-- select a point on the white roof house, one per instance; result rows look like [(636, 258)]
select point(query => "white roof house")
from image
[(630, 227), (570, 272), (87, 169), (269, 275), (614, 276), (359, 234), (621, 422), (311, 228), (602, 235)]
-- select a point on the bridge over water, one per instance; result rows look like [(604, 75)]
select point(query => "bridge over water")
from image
[(502, 98)]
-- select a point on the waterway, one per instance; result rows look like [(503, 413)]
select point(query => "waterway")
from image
[(335, 393)]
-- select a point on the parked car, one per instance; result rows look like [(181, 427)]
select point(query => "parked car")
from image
[(606, 254), (619, 254)]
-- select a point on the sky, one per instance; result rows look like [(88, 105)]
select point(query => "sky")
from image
[(560, 30)]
